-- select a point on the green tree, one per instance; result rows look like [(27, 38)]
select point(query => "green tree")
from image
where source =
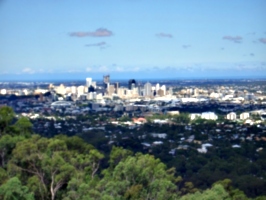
[(3, 175), (6, 116), (51, 163), (188, 188), (235, 194), (217, 192), (118, 154), (7, 144), (45, 159), (24, 126), (138, 177), (182, 118), (14, 190)]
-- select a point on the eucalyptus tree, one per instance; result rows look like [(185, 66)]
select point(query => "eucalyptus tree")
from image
[(52, 163)]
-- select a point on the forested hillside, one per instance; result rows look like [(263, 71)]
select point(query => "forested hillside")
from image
[(68, 168)]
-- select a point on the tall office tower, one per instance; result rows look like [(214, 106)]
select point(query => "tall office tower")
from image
[(128, 93), (111, 90), (120, 92), (88, 82), (131, 83), (139, 89), (106, 81), (80, 90), (93, 83), (170, 91), (73, 89), (147, 89), (153, 90), (160, 92), (196, 92), (91, 89), (164, 89), (116, 87), (135, 91), (157, 87)]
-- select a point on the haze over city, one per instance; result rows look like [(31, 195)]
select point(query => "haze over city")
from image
[(42, 40)]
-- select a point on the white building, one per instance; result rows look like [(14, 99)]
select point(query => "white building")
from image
[(88, 82), (163, 88), (231, 116), (80, 90), (173, 112), (244, 115), (214, 95), (157, 87), (121, 92), (3, 91), (73, 89), (61, 89), (194, 116), (209, 116), (147, 89)]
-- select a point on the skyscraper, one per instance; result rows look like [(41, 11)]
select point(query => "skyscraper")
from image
[(88, 82), (147, 89), (157, 87), (164, 89), (116, 87), (91, 89), (106, 81), (111, 90), (132, 83)]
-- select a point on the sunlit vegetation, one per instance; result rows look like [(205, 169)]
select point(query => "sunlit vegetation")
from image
[(68, 168)]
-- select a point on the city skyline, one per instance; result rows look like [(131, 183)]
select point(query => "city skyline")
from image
[(132, 39)]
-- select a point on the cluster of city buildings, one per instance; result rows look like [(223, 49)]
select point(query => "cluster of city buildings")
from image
[(141, 99), (91, 91)]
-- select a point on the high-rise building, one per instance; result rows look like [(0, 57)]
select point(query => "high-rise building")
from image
[(73, 89), (121, 92), (132, 84), (93, 83), (147, 89), (91, 89), (80, 90), (164, 89), (106, 81), (170, 91), (157, 87), (111, 90), (116, 87), (88, 82), (160, 92)]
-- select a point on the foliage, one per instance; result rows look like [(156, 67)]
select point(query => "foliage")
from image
[(68, 168), (14, 190), (217, 192), (182, 118)]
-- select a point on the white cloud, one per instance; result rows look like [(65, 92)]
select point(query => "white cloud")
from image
[(88, 69), (73, 71), (103, 69), (28, 70), (135, 69), (119, 69)]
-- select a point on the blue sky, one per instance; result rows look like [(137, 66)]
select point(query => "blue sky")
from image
[(66, 39)]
